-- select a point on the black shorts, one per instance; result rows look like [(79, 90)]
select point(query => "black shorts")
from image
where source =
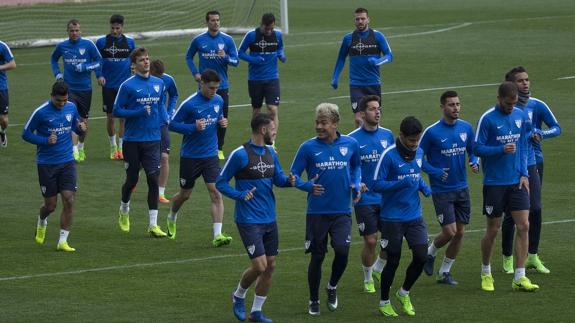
[(452, 206), (392, 233), (141, 153), (259, 239), (57, 178), (319, 226), (534, 188), (504, 198), (82, 100), (108, 99), (268, 89), (367, 218), (192, 168), (4, 102), (358, 92), (165, 139), (226, 97)]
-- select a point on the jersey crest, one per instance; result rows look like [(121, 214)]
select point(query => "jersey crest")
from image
[(157, 88), (69, 117), (343, 151), (419, 162), (518, 123), (463, 136), (82, 51), (384, 143), (216, 108)]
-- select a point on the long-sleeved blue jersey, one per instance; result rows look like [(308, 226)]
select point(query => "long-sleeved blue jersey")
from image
[(5, 57), (136, 96), (338, 167), (46, 120), (264, 54), (495, 129), (364, 49), (207, 47), (371, 146), (444, 146), (80, 58), (115, 52), (400, 182), (196, 143), (262, 175), (170, 95), (540, 114)]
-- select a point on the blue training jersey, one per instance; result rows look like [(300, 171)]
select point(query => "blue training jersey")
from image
[(48, 119), (264, 52), (371, 146), (541, 114), (338, 167), (196, 143), (80, 58), (5, 57), (400, 182), (495, 129), (444, 146), (115, 52), (170, 95), (135, 96), (261, 208), (367, 51), (207, 47)]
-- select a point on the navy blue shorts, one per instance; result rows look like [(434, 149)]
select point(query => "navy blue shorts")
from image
[(4, 102), (259, 239), (145, 154), (57, 178), (358, 92), (392, 233), (452, 206), (534, 188), (367, 218), (108, 99), (268, 89), (82, 100), (504, 198), (225, 96), (165, 140), (319, 226), (192, 168)]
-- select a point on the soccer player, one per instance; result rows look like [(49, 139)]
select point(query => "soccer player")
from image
[(197, 119), (444, 144), (140, 101), (256, 168), (115, 49), (265, 48), (365, 47), (333, 166), (50, 128), (216, 50), (170, 91), (80, 57), (539, 113), (501, 143), (398, 178), (7, 62), (373, 140)]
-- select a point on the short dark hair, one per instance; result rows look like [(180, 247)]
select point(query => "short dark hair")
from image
[(366, 99), (157, 67), (361, 10), (140, 51), (410, 126), (59, 88), (211, 13), (209, 75), (507, 89), (510, 76), (72, 21), (268, 19), (260, 120), (447, 94), (117, 19)]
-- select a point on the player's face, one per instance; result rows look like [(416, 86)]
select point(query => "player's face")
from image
[(372, 113), (74, 32), (59, 101), (507, 103), (411, 142), (270, 133), (325, 128), (116, 29), (268, 29), (209, 89), (451, 108), (142, 65), (213, 23), (361, 21), (522, 81)]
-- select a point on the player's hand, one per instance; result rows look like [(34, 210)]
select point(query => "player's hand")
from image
[(148, 109), (357, 196), (426, 191), (474, 168), (260, 60), (249, 194), (223, 122), (101, 81), (317, 189), (291, 179), (221, 53), (509, 148), (282, 58), (80, 68), (198, 77), (537, 135), (82, 126), (524, 182), (363, 187), (201, 124), (53, 138), (334, 84), (445, 175), (372, 61), (59, 77)]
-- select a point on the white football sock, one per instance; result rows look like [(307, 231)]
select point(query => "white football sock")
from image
[(217, 228), (258, 303), (519, 272), (42, 222), (63, 236), (432, 250), (446, 265), (486, 269), (240, 291), (379, 264), (367, 273)]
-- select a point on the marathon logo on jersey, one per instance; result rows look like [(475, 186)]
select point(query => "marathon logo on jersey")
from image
[(69, 117), (413, 175), (453, 151), (82, 51), (217, 108), (510, 138), (212, 54), (210, 120), (383, 243), (251, 249), (371, 157), (149, 100), (157, 88), (343, 151), (331, 164), (384, 143), (463, 136), (61, 129), (74, 60), (518, 123)]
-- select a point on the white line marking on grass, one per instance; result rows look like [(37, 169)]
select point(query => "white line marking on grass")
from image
[(566, 78), (185, 261)]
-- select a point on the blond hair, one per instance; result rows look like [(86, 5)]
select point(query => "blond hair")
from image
[(327, 110)]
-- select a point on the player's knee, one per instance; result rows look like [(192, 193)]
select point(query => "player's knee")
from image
[(393, 258), (68, 201), (522, 227), (215, 195), (317, 258), (419, 254), (449, 231), (370, 241), (341, 251), (50, 207)]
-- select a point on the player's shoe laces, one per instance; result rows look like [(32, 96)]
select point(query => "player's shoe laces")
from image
[(63, 246), (428, 267), (163, 199), (258, 316), (124, 221), (171, 225), (313, 308), (405, 304), (524, 284), (156, 232), (533, 261), (113, 152), (487, 282), (331, 299), (376, 275), (508, 264), (3, 140), (446, 279), (40, 234), (369, 287), (81, 154), (222, 240), (388, 310), (238, 306), (221, 155)]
